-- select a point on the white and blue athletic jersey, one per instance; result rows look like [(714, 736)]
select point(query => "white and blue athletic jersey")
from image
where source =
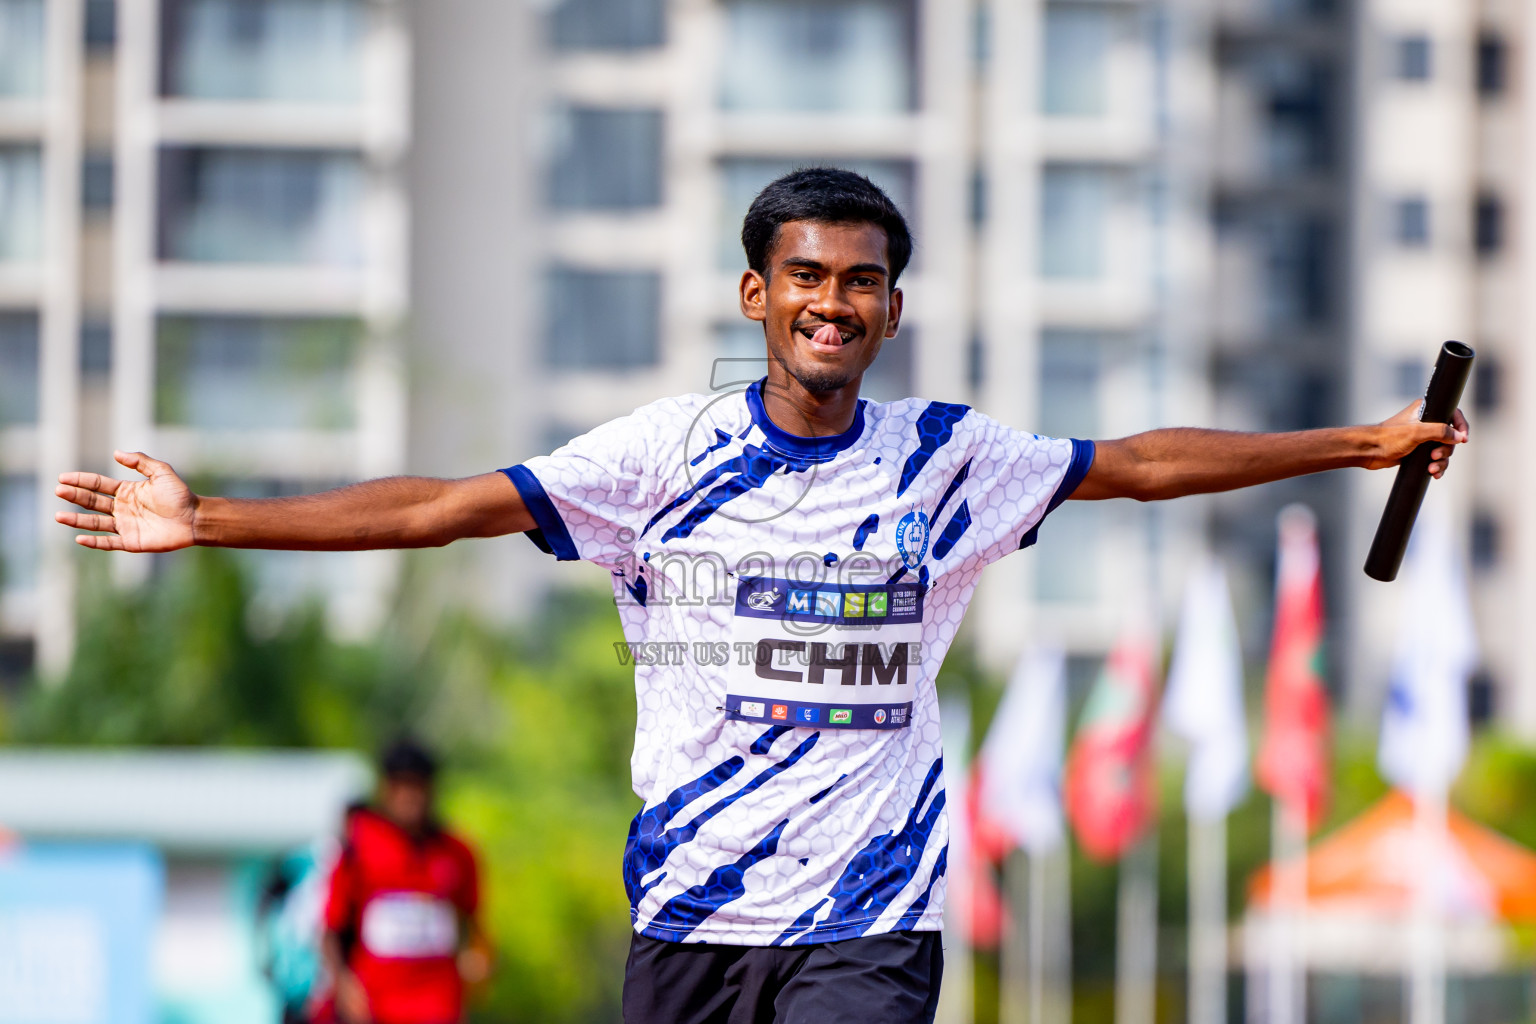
[(787, 602)]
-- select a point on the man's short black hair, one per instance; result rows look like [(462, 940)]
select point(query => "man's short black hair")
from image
[(406, 759), (830, 195)]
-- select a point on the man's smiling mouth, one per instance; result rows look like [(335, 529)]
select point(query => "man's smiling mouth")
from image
[(827, 335)]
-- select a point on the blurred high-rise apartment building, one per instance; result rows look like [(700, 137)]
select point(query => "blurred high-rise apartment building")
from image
[(221, 191), (1371, 201), (1444, 246), (1262, 214), (203, 232), (1059, 274)]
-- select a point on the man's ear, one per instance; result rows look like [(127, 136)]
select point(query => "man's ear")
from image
[(754, 296), (893, 321)]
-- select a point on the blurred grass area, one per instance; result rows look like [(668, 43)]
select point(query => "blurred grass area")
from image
[(535, 726)]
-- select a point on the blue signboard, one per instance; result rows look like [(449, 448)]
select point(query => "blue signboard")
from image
[(76, 927)]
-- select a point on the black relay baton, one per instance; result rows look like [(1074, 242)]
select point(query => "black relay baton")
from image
[(1440, 401)]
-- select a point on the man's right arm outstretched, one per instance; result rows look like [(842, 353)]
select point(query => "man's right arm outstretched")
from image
[(160, 513)]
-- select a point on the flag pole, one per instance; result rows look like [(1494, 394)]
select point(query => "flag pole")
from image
[(1207, 920), (1058, 864), (957, 997), (1287, 968), (1015, 994), (1037, 953), (1136, 934), (1426, 985)]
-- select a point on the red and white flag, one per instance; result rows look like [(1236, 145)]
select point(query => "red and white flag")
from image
[(1293, 760), (1110, 792)]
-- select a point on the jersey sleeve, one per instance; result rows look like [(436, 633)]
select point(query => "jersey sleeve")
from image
[(591, 498), (1020, 479)]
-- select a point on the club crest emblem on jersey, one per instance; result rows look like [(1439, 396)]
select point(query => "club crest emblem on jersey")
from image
[(912, 538), (763, 600)]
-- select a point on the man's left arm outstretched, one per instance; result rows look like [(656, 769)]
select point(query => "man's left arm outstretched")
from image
[(1178, 461)]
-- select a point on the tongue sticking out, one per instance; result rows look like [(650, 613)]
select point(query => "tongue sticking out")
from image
[(827, 335)]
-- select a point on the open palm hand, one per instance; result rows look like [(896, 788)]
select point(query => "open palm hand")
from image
[(152, 514)]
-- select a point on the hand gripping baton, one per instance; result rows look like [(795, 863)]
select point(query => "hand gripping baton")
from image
[(1440, 401)]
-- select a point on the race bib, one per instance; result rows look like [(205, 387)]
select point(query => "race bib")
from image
[(409, 925), (839, 656)]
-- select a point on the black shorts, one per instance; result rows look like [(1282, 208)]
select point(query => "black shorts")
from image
[(891, 978)]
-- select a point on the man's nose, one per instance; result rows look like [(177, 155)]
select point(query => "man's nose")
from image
[(830, 302)]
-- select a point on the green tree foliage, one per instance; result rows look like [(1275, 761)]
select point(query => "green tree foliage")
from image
[(535, 725)]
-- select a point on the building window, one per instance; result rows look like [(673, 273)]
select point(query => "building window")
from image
[(1488, 224), (976, 362), (1486, 541), (1298, 255), (96, 348), (1410, 222), (1074, 221), (100, 24), (21, 47), (1488, 383), (1492, 64), (606, 159), (1071, 368), (603, 319), (608, 24), (850, 56), (283, 50), (742, 179), (96, 181), (1414, 57), (18, 369), (261, 206), (1067, 563), (255, 373), (1074, 78), (21, 203), (1409, 378), (1298, 91), (18, 532), (1482, 694)]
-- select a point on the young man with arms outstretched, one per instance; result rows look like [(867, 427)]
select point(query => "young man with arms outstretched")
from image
[(795, 562)]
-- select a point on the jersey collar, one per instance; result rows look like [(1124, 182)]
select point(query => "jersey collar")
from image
[(819, 448)]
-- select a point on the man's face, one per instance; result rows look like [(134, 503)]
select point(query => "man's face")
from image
[(407, 801), (821, 274)]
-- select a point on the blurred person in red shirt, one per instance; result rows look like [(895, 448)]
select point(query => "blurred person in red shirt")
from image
[(402, 936)]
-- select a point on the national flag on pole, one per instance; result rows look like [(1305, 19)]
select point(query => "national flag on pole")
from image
[(1424, 728), (1021, 758), (1293, 760), (1204, 701), (1109, 782), (1014, 799)]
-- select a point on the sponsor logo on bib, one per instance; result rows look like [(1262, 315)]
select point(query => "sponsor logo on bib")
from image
[(825, 655), (763, 600)]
